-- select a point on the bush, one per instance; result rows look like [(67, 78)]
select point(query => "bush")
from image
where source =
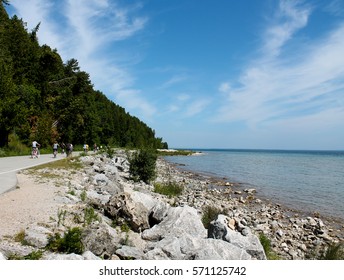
[(142, 165), (209, 214), (69, 243), (170, 189), (333, 252)]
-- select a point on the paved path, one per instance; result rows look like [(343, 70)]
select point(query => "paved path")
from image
[(9, 166)]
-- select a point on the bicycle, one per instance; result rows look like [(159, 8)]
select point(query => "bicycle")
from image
[(34, 152)]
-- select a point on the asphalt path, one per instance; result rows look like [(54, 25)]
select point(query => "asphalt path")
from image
[(9, 166)]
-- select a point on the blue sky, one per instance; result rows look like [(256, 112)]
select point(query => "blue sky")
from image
[(210, 73)]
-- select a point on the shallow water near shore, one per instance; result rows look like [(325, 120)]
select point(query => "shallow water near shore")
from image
[(308, 181)]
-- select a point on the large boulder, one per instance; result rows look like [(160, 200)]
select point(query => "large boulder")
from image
[(37, 236), (219, 229), (2, 257), (141, 211), (177, 222), (188, 247), (100, 239)]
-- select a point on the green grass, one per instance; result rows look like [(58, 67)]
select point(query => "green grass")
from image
[(90, 215), (266, 243), (66, 163), (169, 189)]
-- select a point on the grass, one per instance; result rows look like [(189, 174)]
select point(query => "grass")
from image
[(20, 237), (66, 163), (169, 189), (83, 196), (90, 215), (266, 243)]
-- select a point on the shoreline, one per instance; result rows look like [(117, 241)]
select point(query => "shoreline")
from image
[(104, 184), (337, 222)]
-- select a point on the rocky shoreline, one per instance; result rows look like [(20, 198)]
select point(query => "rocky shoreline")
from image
[(122, 219)]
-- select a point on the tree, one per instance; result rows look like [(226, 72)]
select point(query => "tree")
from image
[(142, 165)]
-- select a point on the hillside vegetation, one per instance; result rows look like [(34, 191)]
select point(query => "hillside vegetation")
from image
[(47, 100)]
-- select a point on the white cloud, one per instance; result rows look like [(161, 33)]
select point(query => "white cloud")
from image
[(290, 18), (89, 30), (196, 107), (224, 87), (177, 79), (280, 87)]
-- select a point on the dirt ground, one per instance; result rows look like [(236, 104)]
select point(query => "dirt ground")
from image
[(29, 203)]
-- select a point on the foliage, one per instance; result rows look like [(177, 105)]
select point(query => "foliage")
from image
[(69, 243), (90, 215), (210, 213), (34, 255), (333, 251), (20, 237), (83, 196), (110, 152), (175, 152), (170, 189), (142, 165), (266, 243), (48, 100), (66, 163)]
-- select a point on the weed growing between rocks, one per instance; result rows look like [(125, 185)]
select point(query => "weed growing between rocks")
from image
[(334, 251), (83, 196), (210, 213), (20, 237), (169, 189), (90, 215), (266, 243), (69, 243)]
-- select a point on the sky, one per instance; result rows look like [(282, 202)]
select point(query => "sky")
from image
[(248, 74)]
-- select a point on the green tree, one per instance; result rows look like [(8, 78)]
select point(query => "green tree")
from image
[(142, 165)]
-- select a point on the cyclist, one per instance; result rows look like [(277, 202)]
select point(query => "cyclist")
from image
[(35, 151), (55, 146)]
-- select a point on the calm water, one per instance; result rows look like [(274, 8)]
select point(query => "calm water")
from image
[(304, 180)]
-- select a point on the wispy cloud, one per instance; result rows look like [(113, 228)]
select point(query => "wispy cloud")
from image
[(176, 79), (196, 107), (297, 86), (89, 31)]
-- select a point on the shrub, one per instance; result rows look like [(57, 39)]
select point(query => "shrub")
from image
[(109, 151), (142, 165), (209, 214), (333, 252), (69, 243), (170, 189)]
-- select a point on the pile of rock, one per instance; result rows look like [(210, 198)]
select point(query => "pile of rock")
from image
[(121, 219), (292, 236)]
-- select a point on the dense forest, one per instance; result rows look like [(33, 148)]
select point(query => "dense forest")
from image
[(44, 99)]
